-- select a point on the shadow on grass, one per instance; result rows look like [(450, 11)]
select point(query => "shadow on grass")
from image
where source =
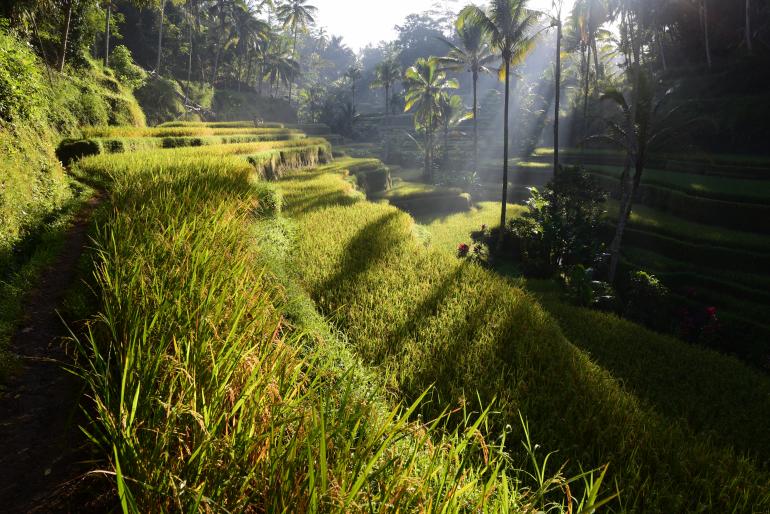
[(420, 313), (370, 246), (331, 199)]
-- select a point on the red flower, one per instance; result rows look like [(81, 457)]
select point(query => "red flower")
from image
[(711, 311)]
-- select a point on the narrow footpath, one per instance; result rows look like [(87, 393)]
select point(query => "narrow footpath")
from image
[(43, 455)]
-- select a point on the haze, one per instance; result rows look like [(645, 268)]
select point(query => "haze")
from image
[(363, 22)]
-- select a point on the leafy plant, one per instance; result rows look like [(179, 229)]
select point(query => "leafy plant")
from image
[(127, 72), (561, 226)]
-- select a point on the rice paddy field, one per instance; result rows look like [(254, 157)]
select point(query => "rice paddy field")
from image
[(264, 337), (216, 384)]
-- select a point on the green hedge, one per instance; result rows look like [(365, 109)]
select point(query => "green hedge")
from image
[(429, 203), (71, 150)]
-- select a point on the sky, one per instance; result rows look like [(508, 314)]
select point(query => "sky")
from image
[(361, 22)]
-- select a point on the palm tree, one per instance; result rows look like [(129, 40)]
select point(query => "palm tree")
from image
[(556, 21), (747, 28), (508, 24), (426, 84), (452, 112), (353, 74), (107, 17), (386, 74), (296, 14), (473, 56), (280, 67), (645, 125)]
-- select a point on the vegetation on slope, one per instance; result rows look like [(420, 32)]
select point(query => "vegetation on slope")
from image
[(216, 386), (428, 318), (37, 198)]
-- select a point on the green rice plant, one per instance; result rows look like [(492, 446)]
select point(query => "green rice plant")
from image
[(184, 131), (221, 124), (429, 318), (645, 218), (214, 385), (449, 230), (718, 188)]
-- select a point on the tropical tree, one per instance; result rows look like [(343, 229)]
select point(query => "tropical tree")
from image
[(747, 28), (386, 74), (296, 15), (452, 112), (509, 25), (426, 85), (650, 124), (556, 21), (280, 67), (472, 55), (353, 74)]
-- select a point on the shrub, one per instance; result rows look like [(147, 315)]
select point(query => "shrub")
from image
[(374, 180), (647, 301), (561, 227), (161, 100), (71, 150), (582, 289), (20, 80), (127, 72)]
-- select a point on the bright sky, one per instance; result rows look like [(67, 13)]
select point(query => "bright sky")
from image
[(361, 22)]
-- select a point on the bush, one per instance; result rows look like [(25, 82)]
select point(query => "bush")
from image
[(562, 226), (374, 180), (127, 72), (648, 301), (161, 100), (20, 80), (71, 150)]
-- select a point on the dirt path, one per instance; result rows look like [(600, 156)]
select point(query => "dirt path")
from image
[(42, 452)]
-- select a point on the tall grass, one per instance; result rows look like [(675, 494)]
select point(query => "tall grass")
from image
[(215, 386), (428, 318), (180, 131)]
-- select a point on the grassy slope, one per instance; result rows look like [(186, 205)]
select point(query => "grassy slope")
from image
[(37, 198), (426, 318), (208, 367), (679, 380), (645, 218)]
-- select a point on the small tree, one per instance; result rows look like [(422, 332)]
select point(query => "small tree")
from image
[(426, 85), (386, 74), (473, 55), (644, 126)]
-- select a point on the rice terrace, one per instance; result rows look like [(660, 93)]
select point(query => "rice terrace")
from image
[(407, 256)]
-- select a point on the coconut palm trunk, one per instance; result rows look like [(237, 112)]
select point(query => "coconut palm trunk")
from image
[(293, 54), (65, 35), (475, 121), (107, 34), (507, 65), (160, 35), (706, 39), (557, 99), (749, 45)]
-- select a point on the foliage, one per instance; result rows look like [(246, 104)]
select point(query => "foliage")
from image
[(70, 150), (647, 301), (431, 319), (126, 71), (161, 99), (21, 86), (561, 227)]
